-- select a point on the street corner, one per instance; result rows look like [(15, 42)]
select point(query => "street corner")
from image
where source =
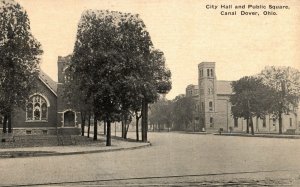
[(117, 145)]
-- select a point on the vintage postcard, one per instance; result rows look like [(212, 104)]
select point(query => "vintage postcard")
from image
[(149, 93)]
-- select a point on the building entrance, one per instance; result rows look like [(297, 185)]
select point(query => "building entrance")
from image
[(69, 119)]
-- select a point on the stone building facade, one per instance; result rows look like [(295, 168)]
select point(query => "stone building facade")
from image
[(215, 107), (46, 111)]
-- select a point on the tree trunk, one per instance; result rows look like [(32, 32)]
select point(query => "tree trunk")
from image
[(252, 127), (280, 122), (144, 120), (247, 130), (257, 127), (108, 134), (137, 126), (89, 126), (4, 130), (126, 129), (82, 123), (123, 128), (95, 127), (104, 127), (9, 130)]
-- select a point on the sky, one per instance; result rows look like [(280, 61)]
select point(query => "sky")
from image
[(185, 30)]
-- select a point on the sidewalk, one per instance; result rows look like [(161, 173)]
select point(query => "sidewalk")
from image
[(97, 147)]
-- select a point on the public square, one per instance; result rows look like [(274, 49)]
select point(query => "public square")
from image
[(173, 159)]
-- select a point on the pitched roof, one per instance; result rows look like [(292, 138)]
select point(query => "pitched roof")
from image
[(224, 87), (51, 84)]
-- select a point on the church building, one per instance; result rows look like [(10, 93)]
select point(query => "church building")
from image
[(46, 111), (214, 108)]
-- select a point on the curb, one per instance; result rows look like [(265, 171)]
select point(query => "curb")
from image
[(190, 132), (74, 153), (261, 136)]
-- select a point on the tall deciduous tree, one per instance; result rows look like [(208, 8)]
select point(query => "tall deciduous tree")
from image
[(251, 98), (183, 112), (156, 80), (19, 58), (161, 113), (286, 83), (111, 56)]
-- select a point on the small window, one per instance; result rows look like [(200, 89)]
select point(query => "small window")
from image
[(28, 132), (274, 121), (45, 131), (210, 106), (211, 73), (208, 72), (236, 122), (211, 121), (291, 122)]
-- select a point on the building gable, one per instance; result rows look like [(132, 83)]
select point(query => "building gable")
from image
[(49, 83)]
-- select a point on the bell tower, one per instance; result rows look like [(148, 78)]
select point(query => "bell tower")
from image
[(207, 93)]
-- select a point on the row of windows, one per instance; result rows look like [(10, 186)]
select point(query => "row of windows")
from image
[(210, 106), (209, 73), (192, 92)]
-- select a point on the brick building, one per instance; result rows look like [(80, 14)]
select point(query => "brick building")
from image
[(213, 95), (46, 111)]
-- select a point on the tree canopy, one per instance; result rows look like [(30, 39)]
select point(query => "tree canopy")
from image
[(285, 82), (115, 63), (19, 57), (250, 98)]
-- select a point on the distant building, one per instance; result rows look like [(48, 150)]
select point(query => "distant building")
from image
[(215, 107), (46, 111), (193, 91)]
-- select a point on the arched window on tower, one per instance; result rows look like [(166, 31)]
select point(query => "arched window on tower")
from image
[(37, 108), (211, 73), (208, 72)]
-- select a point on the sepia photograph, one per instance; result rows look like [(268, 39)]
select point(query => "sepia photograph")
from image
[(149, 93)]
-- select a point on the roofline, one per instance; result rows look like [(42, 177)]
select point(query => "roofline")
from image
[(224, 94), (224, 81), (48, 86)]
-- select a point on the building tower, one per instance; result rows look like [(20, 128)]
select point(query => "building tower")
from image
[(67, 117), (207, 95)]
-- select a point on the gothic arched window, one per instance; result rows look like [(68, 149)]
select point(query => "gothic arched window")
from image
[(37, 109)]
